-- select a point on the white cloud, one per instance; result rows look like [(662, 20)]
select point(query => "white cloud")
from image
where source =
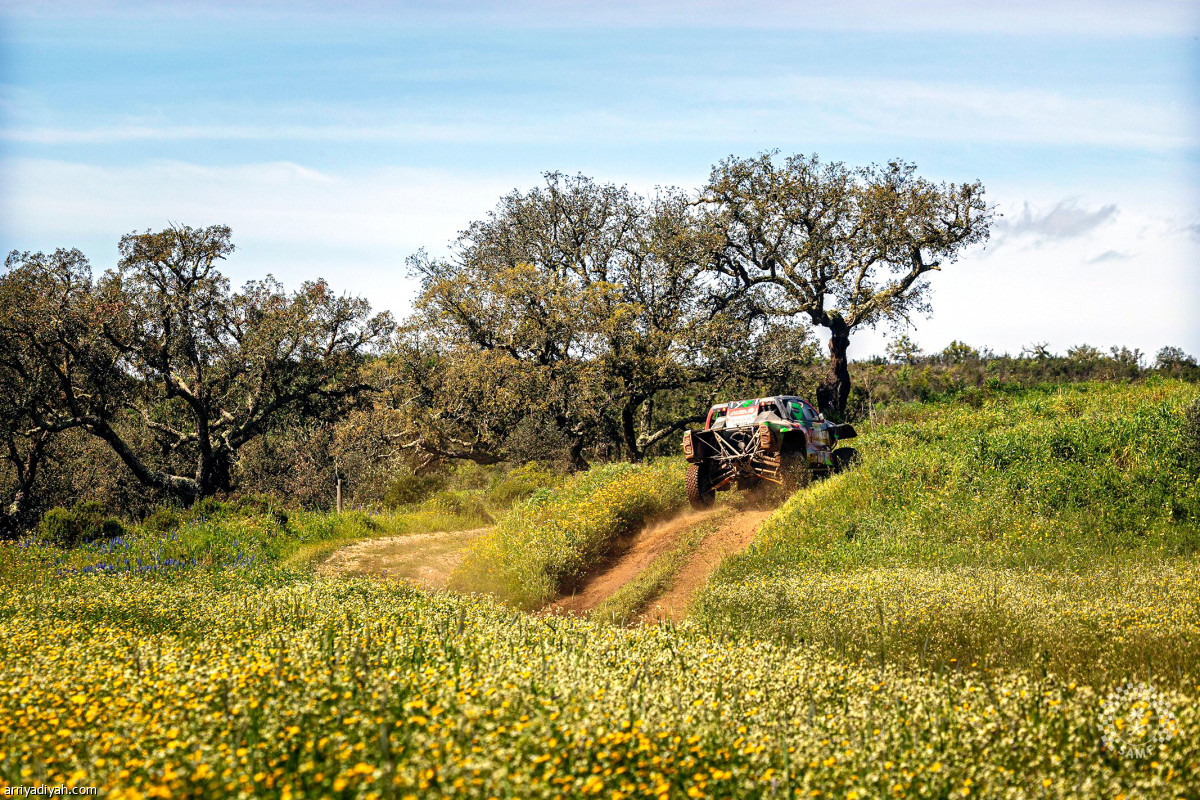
[(1108, 255), (1065, 220), (1141, 290)]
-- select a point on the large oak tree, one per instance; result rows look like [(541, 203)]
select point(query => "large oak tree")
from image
[(844, 247), (584, 305), (162, 346)]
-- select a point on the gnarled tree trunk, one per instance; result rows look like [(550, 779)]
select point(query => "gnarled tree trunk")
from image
[(837, 392)]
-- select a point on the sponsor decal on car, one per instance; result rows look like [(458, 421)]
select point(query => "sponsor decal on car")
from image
[(739, 417)]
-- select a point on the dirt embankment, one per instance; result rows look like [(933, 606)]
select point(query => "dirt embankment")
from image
[(426, 558)]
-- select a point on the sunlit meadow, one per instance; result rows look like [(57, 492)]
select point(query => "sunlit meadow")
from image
[(945, 621)]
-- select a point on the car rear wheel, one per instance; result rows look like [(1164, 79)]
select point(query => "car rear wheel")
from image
[(699, 491)]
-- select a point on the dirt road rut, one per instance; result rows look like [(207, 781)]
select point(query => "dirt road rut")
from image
[(735, 530), (426, 558)]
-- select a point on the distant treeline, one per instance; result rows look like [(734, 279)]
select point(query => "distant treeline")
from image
[(577, 323), (906, 374)]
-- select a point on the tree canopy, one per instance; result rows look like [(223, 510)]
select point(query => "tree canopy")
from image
[(841, 246), (160, 350), (578, 320), (583, 305)]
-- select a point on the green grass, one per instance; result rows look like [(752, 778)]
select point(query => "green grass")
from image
[(1048, 529), (221, 537), (550, 541), (829, 660)]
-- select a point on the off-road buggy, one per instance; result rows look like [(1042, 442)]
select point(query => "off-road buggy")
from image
[(781, 440)]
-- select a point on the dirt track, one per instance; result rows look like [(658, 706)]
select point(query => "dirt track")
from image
[(735, 532), (635, 554), (429, 559), (426, 558)]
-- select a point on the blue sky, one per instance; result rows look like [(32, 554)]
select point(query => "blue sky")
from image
[(338, 139)]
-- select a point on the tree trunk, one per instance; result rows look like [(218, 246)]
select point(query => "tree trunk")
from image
[(186, 490), (215, 472), (838, 389), (22, 499), (629, 434), (578, 462)]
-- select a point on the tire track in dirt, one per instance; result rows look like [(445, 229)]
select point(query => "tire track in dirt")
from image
[(633, 555), (734, 533), (427, 559), (732, 537)]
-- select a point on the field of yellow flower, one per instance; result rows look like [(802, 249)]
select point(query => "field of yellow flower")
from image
[(946, 621), (148, 686)]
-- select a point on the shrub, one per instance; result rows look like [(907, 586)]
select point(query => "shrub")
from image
[(522, 482), (249, 505), (458, 503), (170, 518), (84, 522), (164, 519), (408, 488), (1191, 436), (208, 508)]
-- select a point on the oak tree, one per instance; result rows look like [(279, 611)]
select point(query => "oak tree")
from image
[(843, 247), (585, 305), (162, 347)]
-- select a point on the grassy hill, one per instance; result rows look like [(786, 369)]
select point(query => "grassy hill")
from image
[(1053, 528), (552, 539)]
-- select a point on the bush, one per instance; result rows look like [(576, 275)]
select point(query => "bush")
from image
[(163, 519), (457, 503), (1191, 436), (409, 488), (251, 505), (84, 522), (170, 518), (522, 482)]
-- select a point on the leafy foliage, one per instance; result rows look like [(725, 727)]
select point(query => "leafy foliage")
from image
[(844, 247), (409, 488), (84, 522), (1191, 437), (521, 482), (584, 307), (203, 370)]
